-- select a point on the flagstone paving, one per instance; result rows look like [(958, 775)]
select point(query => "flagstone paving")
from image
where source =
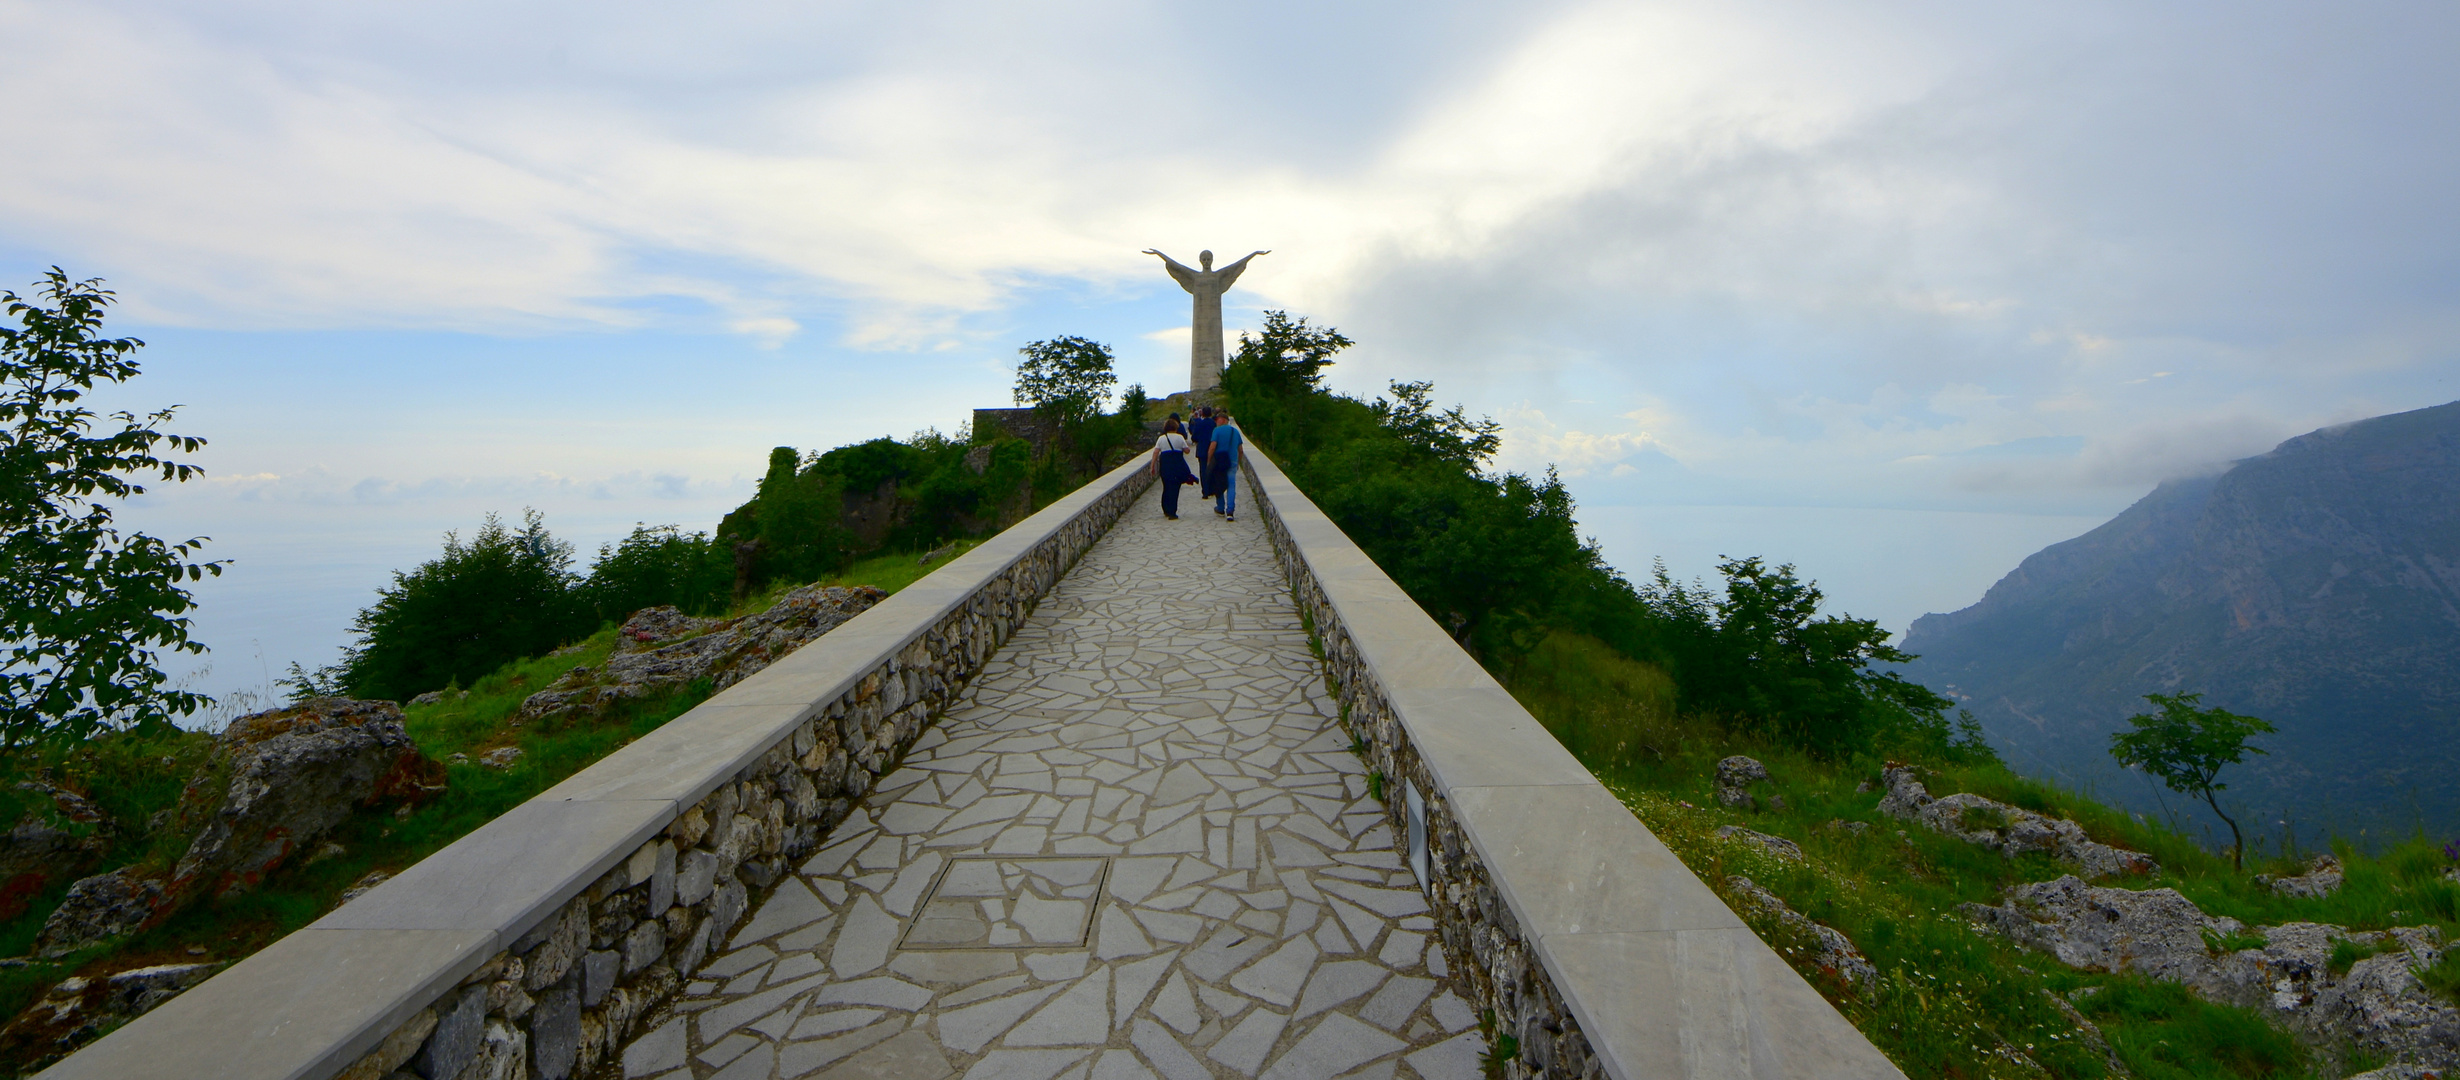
[(1138, 847)]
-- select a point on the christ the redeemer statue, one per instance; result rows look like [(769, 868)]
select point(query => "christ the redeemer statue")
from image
[(1206, 285)]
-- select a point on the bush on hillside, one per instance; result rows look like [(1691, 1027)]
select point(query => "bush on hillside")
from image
[(503, 594), (797, 517), (1763, 654), (658, 564)]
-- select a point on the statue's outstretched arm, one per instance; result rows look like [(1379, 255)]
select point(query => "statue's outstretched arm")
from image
[(1230, 273), (1178, 272)]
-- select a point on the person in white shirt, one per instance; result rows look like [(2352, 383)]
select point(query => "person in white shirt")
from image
[(1170, 463)]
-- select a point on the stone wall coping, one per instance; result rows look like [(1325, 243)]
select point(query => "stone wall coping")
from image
[(315, 1001), (1663, 977)]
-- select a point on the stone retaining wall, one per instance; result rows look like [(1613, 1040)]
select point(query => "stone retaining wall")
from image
[(1565, 919), (534, 946)]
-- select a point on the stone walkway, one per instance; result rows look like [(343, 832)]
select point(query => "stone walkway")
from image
[(1139, 847)]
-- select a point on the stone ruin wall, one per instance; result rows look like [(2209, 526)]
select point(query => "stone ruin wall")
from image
[(564, 998)]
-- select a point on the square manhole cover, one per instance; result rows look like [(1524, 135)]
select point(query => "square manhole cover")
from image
[(1017, 903)]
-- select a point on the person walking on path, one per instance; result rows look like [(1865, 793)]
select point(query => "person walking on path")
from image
[(1221, 475), (1200, 431), (1170, 463)]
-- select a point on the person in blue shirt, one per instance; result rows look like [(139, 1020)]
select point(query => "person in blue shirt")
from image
[(1221, 477)]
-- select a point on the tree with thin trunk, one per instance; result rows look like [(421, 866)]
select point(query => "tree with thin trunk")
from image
[(2186, 748)]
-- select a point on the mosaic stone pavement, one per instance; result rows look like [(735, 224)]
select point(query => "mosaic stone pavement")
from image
[(1139, 847)]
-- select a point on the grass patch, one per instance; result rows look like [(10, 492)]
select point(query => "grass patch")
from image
[(2161, 1031), (889, 573), (1611, 711), (2443, 976), (1988, 819), (2346, 954)]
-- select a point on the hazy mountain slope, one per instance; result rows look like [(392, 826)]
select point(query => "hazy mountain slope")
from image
[(2317, 586)]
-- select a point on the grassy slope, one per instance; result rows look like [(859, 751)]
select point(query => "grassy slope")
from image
[(134, 779), (1952, 1002)]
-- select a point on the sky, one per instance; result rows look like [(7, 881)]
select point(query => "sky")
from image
[(1896, 292)]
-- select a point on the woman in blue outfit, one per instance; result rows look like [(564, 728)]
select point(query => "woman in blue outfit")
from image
[(1170, 463), (1221, 473)]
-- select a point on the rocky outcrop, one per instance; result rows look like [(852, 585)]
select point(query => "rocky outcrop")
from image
[(78, 1009), (1775, 845), (278, 782), (652, 627), (2322, 878), (1735, 775), (44, 847), (649, 660), (2376, 1003), (1832, 952), (295, 773), (2009, 830), (104, 906)]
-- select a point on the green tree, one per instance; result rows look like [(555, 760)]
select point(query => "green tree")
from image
[(1446, 434), (85, 604), (1067, 378), (658, 564), (1276, 381), (1764, 655), (2186, 748), (502, 595), (799, 512)]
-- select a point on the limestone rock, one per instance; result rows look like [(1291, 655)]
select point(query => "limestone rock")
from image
[(2157, 931), (103, 906), (2322, 878), (2377, 1004), (651, 627), (292, 775), (2009, 830), (295, 773), (42, 848), (1905, 792), (501, 757), (725, 652), (1834, 953), (1735, 775), (1774, 845), (78, 1009)]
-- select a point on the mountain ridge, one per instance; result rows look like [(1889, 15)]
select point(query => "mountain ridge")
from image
[(2316, 585)]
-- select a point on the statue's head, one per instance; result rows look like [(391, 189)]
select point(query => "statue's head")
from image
[(1204, 259)]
